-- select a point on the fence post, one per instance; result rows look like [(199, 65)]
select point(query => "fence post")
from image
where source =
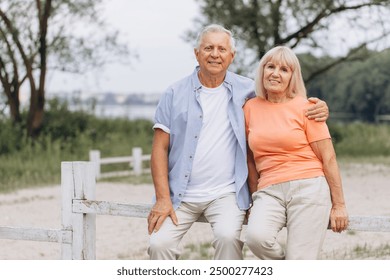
[(66, 205), (137, 160), (94, 156), (79, 184)]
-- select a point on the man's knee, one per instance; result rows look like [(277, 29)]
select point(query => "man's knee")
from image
[(163, 248), (227, 236), (228, 231), (160, 242), (228, 245)]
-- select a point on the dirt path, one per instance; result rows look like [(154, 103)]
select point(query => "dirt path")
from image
[(367, 191)]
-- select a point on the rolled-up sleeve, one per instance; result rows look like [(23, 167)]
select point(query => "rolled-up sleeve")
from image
[(162, 117)]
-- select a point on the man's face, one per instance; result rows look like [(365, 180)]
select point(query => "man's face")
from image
[(215, 54)]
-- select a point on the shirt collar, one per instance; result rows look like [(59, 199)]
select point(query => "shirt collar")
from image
[(195, 79), (197, 85)]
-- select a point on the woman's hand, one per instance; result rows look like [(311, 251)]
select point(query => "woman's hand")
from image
[(338, 218)]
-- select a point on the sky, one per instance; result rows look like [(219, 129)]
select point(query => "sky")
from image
[(153, 28)]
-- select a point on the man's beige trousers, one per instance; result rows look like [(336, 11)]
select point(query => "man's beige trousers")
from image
[(226, 221)]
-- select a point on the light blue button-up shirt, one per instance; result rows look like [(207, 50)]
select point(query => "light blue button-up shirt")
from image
[(179, 113)]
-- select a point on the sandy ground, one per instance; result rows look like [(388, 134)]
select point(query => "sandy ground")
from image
[(366, 187)]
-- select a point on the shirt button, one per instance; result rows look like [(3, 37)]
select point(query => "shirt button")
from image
[(196, 136), (190, 156), (200, 116)]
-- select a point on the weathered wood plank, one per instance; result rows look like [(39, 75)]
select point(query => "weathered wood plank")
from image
[(111, 208), (78, 233), (36, 234), (66, 205), (135, 162), (358, 223), (116, 160), (89, 189), (146, 157), (369, 223), (111, 174), (122, 173), (84, 226), (115, 209)]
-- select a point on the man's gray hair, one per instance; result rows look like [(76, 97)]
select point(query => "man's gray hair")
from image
[(215, 28)]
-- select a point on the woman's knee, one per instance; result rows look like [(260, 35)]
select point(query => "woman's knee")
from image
[(259, 238)]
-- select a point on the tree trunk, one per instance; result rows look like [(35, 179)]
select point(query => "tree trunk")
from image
[(29, 73), (12, 95), (37, 101), (14, 106), (11, 89)]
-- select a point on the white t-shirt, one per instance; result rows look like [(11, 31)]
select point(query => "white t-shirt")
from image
[(213, 167)]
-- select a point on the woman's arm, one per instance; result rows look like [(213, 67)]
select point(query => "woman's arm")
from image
[(325, 152)]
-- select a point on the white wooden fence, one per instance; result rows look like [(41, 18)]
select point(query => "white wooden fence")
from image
[(135, 162), (382, 118), (79, 209)]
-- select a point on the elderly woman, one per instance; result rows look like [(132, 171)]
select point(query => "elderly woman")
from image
[(293, 174)]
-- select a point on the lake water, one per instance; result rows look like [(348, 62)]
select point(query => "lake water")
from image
[(132, 112)]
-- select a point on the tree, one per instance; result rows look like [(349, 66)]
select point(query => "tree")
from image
[(9, 78), (358, 88), (307, 25), (368, 87), (42, 35)]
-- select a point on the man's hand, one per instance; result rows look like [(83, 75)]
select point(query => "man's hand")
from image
[(160, 211), (319, 111)]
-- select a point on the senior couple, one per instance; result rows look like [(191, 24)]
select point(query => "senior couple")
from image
[(225, 146)]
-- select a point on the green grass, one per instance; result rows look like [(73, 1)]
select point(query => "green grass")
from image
[(201, 251), (31, 167), (204, 251), (69, 136), (361, 141), (362, 252)]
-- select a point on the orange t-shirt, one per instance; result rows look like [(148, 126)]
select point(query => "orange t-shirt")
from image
[(279, 135)]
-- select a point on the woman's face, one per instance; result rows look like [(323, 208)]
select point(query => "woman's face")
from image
[(276, 78)]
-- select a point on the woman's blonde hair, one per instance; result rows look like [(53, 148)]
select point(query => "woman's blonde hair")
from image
[(281, 55)]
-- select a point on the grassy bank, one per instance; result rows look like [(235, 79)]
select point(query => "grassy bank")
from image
[(70, 136), (361, 140), (204, 251), (67, 136)]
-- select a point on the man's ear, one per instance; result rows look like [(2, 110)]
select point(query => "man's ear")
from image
[(233, 55), (196, 52)]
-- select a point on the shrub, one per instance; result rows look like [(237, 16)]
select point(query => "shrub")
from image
[(66, 136)]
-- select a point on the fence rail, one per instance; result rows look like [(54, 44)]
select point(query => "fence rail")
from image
[(135, 162), (350, 117), (36, 234), (357, 223), (79, 209), (382, 118)]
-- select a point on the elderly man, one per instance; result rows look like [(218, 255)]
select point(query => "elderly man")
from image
[(199, 152)]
